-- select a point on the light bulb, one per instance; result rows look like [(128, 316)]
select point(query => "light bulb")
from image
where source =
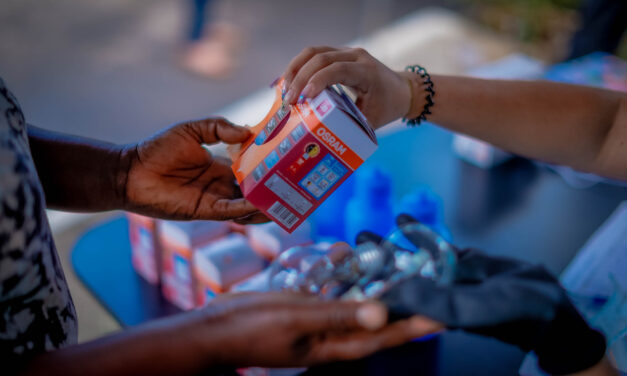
[(366, 271)]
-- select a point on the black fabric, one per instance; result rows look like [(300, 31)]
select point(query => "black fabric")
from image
[(603, 23), (510, 300)]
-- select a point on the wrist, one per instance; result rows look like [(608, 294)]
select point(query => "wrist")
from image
[(417, 99), (126, 155), (197, 338), (215, 335), (405, 94)]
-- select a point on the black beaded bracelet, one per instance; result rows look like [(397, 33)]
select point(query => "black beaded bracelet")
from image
[(428, 84)]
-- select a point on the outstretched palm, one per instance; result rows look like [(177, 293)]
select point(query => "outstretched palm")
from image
[(171, 175)]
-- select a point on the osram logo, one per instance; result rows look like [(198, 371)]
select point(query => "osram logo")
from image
[(334, 143)]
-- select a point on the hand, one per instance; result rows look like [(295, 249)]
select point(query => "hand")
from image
[(510, 300), (288, 329), (382, 94), (172, 176)]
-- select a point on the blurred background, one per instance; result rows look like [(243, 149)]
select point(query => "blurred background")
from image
[(114, 70), (120, 70)]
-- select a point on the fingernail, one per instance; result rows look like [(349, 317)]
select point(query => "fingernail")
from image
[(289, 96), (306, 91), (283, 93), (304, 94), (371, 316)]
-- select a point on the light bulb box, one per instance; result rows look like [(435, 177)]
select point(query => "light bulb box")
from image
[(298, 155), (222, 264), (179, 241), (145, 250)]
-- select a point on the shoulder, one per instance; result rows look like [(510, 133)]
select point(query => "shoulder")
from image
[(10, 110)]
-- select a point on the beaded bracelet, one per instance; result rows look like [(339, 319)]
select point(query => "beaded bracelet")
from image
[(428, 87)]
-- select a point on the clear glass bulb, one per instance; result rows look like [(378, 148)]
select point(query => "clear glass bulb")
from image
[(421, 251), (369, 269)]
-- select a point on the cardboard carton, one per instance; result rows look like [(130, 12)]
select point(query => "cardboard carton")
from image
[(179, 241), (300, 154), (269, 239), (145, 250), (223, 263)]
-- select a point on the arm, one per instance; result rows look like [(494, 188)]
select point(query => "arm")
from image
[(165, 347), (170, 175), (241, 330), (78, 173), (582, 127)]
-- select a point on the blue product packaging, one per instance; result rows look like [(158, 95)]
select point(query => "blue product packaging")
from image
[(371, 207), (426, 206)]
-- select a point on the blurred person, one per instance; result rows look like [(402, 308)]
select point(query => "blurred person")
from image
[(170, 175), (603, 24), (578, 126), (213, 46)]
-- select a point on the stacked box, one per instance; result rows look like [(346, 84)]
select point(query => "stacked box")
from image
[(269, 239), (145, 250), (179, 240), (223, 263), (258, 282)]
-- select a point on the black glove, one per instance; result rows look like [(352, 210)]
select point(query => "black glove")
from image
[(510, 300)]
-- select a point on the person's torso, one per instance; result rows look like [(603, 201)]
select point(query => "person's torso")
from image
[(36, 309)]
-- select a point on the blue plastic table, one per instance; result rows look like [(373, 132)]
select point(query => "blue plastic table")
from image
[(517, 209)]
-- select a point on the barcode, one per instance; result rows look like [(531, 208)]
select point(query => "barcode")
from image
[(283, 214)]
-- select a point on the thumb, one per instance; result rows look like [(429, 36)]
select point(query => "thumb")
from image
[(213, 130), (342, 316)]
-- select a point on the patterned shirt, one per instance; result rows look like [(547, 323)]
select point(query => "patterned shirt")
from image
[(36, 309)]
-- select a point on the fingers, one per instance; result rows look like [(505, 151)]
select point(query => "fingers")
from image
[(358, 345), (252, 219), (320, 71), (297, 62), (212, 130), (321, 316), (227, 209), (253, 300)]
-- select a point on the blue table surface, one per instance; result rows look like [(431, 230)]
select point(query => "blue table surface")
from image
[(517, 209)]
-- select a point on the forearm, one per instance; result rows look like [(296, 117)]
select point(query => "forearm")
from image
[(78, 174), (160, 348), (573, 125)]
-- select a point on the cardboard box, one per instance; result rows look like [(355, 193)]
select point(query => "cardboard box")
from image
[(300, 154), (257, 282), (145, 250), (269, 239), (223, 263), (179, 241)]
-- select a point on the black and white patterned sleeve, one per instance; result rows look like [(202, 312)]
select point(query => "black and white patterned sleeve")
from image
[(36, 309)]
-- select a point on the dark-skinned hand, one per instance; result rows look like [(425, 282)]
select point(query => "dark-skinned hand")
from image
[(173, 176), (281, 329)]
